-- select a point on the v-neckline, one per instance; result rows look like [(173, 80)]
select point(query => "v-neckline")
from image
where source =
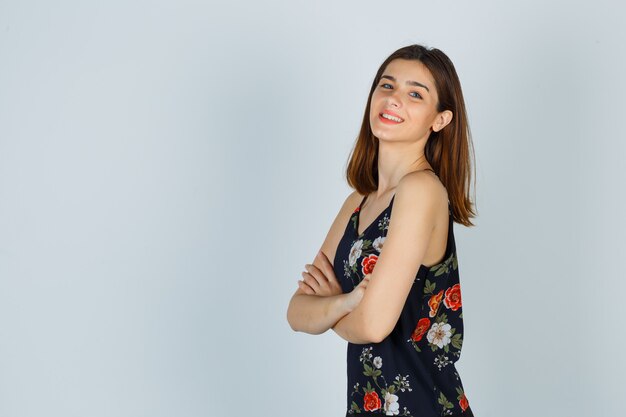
[(358, 217)]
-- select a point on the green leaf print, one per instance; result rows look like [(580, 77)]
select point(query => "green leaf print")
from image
[(368, 370), (444, 267), (355, 407), (442, 318), (457, 341), (401, 383), (444, 401), (429, 287)]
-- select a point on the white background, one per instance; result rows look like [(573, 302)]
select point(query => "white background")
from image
[(167, 169)]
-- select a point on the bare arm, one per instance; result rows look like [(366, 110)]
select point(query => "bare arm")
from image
[(316, 314), (418, 199), (353, 328), (343, 314)]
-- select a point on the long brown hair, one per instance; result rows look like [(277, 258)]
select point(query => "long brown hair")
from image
[(447, 151)]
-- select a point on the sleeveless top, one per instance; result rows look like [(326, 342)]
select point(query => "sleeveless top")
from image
[(411, 372)]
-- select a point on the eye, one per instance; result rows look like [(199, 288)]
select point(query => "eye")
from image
[(412, 92)]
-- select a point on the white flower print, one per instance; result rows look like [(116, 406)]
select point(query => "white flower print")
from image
[(439, 334), (386, 393), (441, 361), (346, 269), (403, 384), (378, 362), (355, 251), (365, 354), (378, 243), (391, 404), (384, 223)]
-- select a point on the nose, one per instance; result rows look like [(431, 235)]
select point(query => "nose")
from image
[(393, 100)]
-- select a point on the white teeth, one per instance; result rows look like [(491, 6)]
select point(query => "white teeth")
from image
[(390, 117)]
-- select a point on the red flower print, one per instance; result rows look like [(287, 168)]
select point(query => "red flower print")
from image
[(368, 263), (371, 402), (463, 402), (422, 326), (433, 303), (453, 297), (356, 210)]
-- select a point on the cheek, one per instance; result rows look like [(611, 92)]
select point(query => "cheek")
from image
[(419, 117), (376, 97), (373, 103), (419, 123), (374, 106)]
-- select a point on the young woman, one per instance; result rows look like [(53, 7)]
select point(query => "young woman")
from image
[(399, 308)]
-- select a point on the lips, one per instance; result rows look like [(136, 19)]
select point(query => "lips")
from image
[(389, 112), (387, 121)]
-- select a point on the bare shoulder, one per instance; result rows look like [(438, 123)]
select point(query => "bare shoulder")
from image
[(421, 189)]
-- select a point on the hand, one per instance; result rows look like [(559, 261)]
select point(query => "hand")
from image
[(354, 297), (320, 281)]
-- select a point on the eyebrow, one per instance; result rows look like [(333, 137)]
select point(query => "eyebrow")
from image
[(415, 83)]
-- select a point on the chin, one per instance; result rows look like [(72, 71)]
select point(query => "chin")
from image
[(385, 136)]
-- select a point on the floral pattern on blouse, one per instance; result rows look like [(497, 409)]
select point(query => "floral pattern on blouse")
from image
[(434, 329), (366, 248), (387, 401), (439, 333)]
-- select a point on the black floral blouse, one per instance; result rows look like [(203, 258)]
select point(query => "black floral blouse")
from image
[(411, 372)]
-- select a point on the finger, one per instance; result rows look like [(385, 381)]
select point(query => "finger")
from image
[(326, 267), (317, 273), (306, 288), (311, 281)]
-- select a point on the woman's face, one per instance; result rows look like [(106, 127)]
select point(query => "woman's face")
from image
[(406, 90)]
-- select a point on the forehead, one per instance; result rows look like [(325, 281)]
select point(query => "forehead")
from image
[(410, 69)]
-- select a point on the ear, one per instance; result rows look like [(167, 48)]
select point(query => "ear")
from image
[(442, 120)]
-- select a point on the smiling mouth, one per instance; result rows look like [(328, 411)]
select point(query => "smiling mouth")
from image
[(387, 118)]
